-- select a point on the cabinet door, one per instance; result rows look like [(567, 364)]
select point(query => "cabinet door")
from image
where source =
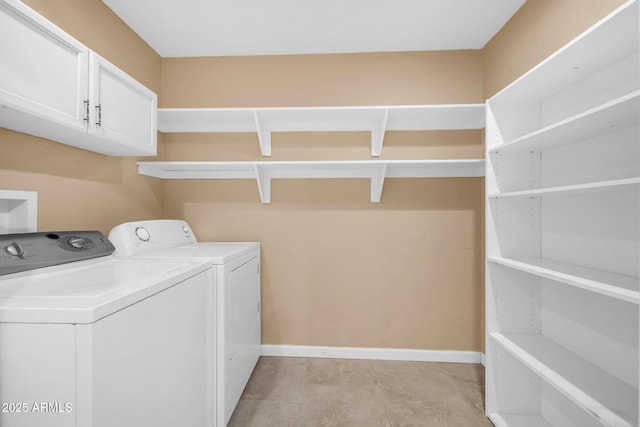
[(43, 70), (123, 111)]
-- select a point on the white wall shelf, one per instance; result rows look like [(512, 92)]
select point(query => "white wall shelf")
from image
[(18, 211), (376, 119), (592, 187), (611, 116), (603, 282), (563, 236), (606, 43), (608, 399), (264, 171)]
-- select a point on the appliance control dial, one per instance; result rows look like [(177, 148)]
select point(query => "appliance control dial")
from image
[(143, 234), (14, 249), (185, 229), (78, 242)]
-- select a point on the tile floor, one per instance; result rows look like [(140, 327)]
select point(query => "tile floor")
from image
[(301, 392)]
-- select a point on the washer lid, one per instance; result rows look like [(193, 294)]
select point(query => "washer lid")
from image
[(87, 291)]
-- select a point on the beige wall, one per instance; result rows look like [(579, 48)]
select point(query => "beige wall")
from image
[(323, 80), (537, 30), (78, 189), (337, 269)]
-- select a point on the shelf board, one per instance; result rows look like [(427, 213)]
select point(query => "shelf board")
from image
[(614, 285), (611, 39), (376, 119), (514, 420), (598, 393), (609, 117), (608, 186), (264, 171)]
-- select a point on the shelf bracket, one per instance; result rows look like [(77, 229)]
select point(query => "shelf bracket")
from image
[(264, 135), (264, 184), (377, 134), (377, 182)]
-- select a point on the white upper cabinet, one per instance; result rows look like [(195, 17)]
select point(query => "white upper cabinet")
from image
[(52, 86), (43, 70), (123, 110)]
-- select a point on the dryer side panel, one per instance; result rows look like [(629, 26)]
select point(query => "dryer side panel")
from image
[(243, 326)]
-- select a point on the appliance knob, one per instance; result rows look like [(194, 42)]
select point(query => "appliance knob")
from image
[(143, 234), (77, 243), (14, 249), (185, 229)]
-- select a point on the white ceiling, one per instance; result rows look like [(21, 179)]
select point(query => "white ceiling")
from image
[(275, 27)]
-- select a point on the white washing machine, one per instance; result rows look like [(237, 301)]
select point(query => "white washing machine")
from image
[(88, 340), (237, 285)]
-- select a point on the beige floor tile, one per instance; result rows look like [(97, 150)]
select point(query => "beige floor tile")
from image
[(277, 379), (285, 365), (328, 414), (447, 411), (312, 392), (340, 372), (261, 413), (466, 372), (338, 404), (428, 387), (275, 390), (403, 367), (473, 394), (369, 395)]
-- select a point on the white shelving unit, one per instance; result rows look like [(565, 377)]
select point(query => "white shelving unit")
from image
[(264, 171), (376, 119), (563, 235)]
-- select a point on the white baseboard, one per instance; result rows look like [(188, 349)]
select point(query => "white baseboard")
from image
[(373, 353)]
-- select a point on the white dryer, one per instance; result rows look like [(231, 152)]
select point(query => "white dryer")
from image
[(88, 340), (237, 289)]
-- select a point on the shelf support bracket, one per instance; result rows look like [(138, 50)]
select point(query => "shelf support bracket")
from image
[(264, 135), (264, 184), (377, 134), (377, 182)]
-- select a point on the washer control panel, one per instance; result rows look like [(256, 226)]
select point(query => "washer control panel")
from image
[(29, 251)]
